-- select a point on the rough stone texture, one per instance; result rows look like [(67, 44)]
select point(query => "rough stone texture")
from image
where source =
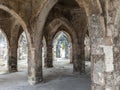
[(61, 24), (49, 58), (100, 17)]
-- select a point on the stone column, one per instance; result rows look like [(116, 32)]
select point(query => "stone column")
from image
[(13, 45), (35, 64), (49, 60), (76, 54), (35, 74), (58, 51), (71, 58), (78, 58), (116, 57), (97, 37), (66, 50), (13, 55), (82, 56)]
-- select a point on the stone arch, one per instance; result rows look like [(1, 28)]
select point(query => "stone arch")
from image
[(57, 33), (25, 28), (43, 11), (96, 27), (59, 24), (44, 3), (46, 6), (65, 25), (116, 23), (68, 37), (19, 19)]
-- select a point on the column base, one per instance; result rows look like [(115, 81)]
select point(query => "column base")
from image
[(34, 80), (97, 87), (12, 70), (49, 66)]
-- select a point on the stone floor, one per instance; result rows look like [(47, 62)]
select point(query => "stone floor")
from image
[(60, 77)]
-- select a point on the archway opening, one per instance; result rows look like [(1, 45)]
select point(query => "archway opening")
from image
[(75, 17), (22, 53), (44, 51), (62, 48), (87, 50), (12, 24), (9, 19), (3, 53), (61, 56)]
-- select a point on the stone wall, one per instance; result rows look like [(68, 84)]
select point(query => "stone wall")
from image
[(100, 18)]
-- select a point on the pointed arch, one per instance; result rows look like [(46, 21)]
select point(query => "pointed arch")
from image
[(62, 24), (68, 45), (25, 28), (19, 19)]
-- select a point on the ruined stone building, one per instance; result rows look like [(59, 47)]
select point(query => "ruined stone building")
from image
[(96, 20)]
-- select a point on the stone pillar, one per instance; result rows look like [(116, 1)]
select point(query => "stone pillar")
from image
[(34, 56), (71, 58), (66, 50), (109, 68), (35, 64), (76, 61), (13, 46), (79, 58), (49, 60), (116, 55), (103, 73), (82, 56), (13, 55), (97, 38), (58, 51)]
